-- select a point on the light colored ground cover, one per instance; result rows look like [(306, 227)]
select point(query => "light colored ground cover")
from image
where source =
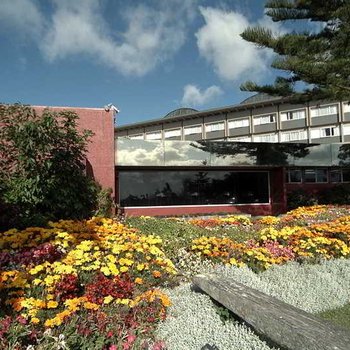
[(193, 320)]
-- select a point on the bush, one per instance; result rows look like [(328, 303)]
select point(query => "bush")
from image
[(339, 194), (301, 198), (42, 166)]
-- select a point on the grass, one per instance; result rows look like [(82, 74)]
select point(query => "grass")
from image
[(339, 316), (177, 234)]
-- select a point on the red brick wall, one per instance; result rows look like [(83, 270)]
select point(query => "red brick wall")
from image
[(100, 155)]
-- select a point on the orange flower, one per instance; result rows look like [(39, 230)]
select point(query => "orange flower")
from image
[(138, 280), (156, 274)]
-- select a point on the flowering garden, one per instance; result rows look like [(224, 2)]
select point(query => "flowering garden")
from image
[(104, 284)]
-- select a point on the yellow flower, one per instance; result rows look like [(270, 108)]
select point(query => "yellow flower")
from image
[(105, 270), (140, 267), (34, 320), (90, 306), (107, 299), (52, 304), (124, 269)]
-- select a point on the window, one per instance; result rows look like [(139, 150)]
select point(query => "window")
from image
[(189, 130), (172, 133), (293, 115), (215, 127), (335, 176), (241, 139), (315, 175), (266, 138), (328, 132), (346, 175), (173, 187), (136, 137), (293, 135), (240, 123), (346, 107), (293, 176), (154, 135), (324, 110), (265, 119)]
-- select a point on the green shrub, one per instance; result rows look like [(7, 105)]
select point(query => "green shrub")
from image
[(42, 166)]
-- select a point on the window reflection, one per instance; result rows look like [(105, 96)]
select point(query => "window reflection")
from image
[(162, 188)]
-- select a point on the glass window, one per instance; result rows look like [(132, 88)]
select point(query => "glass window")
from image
[(163, 188), (321, 175), (172, 133), (136, 137), (315, 175), (329, 131), (294, 175), (215, 127), (189, 130), (154, 135), (346, 175), (294, 135), (293, 115), (266, 138), (309, 175), (265, 119), (324, 110), (240, 123), (335, 175)]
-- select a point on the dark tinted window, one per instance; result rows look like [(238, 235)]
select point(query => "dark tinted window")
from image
[(162, 188)]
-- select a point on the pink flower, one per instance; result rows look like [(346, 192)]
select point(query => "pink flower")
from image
[(113, 347)]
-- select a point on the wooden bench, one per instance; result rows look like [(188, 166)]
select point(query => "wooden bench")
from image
[(282, 324)]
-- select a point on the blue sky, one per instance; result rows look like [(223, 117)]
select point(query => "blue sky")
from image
[(146, 57)]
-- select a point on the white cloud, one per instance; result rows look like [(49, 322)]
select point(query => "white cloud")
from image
[(193, 96), (22, 15), (220, 43), (152, 35)]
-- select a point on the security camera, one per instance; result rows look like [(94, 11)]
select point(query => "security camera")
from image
[(110, 106)]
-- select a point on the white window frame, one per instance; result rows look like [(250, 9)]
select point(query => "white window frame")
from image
[(238, 123), (324, 110), (136, 137), (293, 115), (265, 119), (293, 135), (329, 131), (172, 133), (217, 126), (241, 139), (265, 138), (154, 135), (193, 129)]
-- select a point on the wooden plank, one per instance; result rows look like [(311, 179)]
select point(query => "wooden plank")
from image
[(281, 323)]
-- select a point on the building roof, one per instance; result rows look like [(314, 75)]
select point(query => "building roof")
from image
[(256, 101)]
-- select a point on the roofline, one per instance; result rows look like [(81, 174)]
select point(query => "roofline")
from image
[(69, 107), (206, 112)]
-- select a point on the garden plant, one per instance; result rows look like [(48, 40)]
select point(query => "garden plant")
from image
[(108, 284)]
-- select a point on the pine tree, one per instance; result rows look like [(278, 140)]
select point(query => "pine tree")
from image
[(321, 59)]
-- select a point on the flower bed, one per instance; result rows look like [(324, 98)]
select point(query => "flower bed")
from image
[(280, 240), (88, 276), (97, 284)]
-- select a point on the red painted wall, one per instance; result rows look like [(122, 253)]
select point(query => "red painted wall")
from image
[(100, 154), (253, 209)]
